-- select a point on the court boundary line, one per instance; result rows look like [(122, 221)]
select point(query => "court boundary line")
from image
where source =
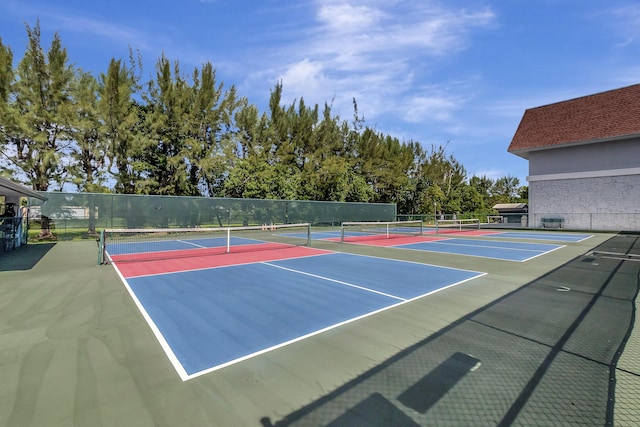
[(168, 351), (544, 253)]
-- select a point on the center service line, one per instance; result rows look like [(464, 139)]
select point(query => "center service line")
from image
[(336, 281)]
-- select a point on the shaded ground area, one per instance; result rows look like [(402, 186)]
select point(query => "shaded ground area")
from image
[(25, 257), (544, 354)]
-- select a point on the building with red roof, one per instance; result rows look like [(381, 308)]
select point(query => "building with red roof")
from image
[(584, 161)]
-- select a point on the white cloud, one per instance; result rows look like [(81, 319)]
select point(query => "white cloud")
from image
[(429, 108), (404, 30), (81, 24), (303, 77), (624, 21), (374, 51), (345, 18), (489, 173), (54, 18)]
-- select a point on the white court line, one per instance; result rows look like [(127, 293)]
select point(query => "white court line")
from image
[(547, 252), (440, 242), (335, 281), (154, 328), (191, 243)]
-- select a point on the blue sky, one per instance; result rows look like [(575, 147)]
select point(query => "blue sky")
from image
[(448, 72)]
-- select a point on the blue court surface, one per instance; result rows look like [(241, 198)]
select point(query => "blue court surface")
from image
[(325, 235), (507, 250), (543, 235), (208, 319)]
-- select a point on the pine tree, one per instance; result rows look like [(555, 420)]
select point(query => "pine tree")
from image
[(38, 127), (120, 116), (89, 152), (42, 111)]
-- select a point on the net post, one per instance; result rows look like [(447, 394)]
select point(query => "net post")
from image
[(421, 228), (341, 233), (228, 240), (101, 248), (309, 234)]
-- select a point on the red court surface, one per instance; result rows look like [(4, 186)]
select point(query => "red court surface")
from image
[(151, 255), (392, 240), (161, 266)]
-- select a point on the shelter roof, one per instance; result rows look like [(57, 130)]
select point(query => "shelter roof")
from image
[(12, 189), (503, 206)]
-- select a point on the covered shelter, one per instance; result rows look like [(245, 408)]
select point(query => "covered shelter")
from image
[(14, 214), (511, 212)]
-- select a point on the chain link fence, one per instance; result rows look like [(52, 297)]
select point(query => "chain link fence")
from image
[(70, 214)]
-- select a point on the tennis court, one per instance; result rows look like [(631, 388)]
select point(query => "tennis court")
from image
[(210, 317), (552, 339), (453, 242), (469, 228)]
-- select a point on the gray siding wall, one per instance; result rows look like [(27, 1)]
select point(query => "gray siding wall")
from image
[(583, 158), (605, 203)]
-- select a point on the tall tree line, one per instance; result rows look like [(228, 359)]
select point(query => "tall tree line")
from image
[(188, 134)]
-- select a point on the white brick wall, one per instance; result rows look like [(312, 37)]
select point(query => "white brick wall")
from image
[(605, 203)]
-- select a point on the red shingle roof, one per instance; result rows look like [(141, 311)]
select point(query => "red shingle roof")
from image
[(604, 115)]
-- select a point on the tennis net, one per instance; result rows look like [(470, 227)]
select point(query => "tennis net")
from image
[(444, 226), (167, 243), (362, 231)]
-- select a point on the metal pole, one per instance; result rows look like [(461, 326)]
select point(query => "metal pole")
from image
[(435, 212)]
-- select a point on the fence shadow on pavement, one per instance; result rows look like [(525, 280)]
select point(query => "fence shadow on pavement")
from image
[(546, 351)]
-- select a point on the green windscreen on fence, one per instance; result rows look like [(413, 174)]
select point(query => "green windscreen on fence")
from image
[(99, 211)]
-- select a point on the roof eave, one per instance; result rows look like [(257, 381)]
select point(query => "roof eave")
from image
[(524, 152), (10, 188), (520, 153)]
